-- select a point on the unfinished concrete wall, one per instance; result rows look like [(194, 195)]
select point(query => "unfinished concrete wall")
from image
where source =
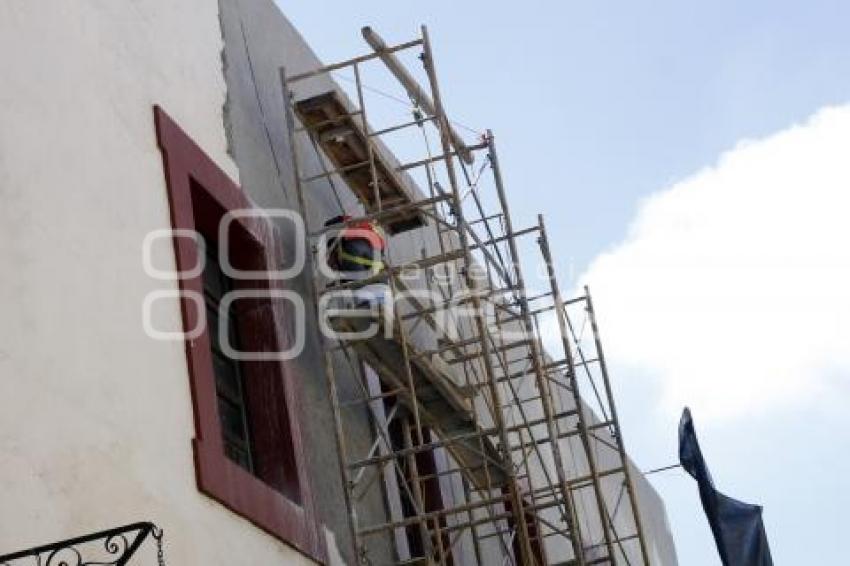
[(258, 41)]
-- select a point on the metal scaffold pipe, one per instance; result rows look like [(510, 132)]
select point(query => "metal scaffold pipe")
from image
[(467, 388), (414, 91), (516, 507)]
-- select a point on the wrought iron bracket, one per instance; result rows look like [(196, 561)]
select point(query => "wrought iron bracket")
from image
[(112, 547)]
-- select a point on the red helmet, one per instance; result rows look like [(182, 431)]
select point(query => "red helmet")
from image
[(366, 230)]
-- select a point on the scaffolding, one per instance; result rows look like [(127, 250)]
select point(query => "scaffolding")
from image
[(482, 447)]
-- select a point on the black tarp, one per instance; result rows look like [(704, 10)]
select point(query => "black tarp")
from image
[(737, 526)]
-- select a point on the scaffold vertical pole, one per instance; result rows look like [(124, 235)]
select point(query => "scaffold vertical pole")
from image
[(621, 447), (536, 355), (342, 452), (481, 327), (571, 372)]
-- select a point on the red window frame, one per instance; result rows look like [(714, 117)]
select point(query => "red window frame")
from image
[(278, 498)]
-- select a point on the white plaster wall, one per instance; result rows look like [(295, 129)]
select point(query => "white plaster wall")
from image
[(95, 417)]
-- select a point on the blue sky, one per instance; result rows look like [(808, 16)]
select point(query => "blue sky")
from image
[(608, 116)]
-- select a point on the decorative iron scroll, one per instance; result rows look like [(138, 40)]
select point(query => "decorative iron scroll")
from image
[(113, 547)]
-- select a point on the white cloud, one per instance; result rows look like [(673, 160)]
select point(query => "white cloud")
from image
[(733, 285)]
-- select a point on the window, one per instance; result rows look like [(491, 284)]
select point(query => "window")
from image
[(247, 446), (534, 531), (229, 387), (399, 478)]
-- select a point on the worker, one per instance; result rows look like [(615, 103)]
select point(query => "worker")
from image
[(356, 252)]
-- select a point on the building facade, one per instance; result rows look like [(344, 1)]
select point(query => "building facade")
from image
[(122, 124)]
